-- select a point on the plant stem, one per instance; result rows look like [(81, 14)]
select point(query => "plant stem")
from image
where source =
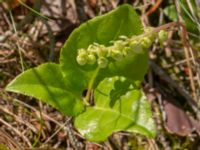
[(90, 86)]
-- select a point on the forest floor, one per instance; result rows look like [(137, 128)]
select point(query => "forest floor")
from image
[(172, 83)]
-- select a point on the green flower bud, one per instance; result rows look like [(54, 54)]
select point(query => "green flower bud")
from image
[(102, 62), (146, 42), (81, 60), (92, 49), (134, 47), (82, 52), (116, 54), (91, 59), (152, 35), (162, 35), (102, 51), (126, 51), (133, 43), (123, 37), (119, 45)]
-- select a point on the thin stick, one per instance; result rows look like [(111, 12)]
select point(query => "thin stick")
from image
[(154, 7), (7, 140), (18, 119), (61, 127), (37, 112), (16, 131)]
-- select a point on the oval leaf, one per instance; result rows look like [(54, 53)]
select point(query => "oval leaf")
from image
[(46, 83), (129, 112), (102, 30)]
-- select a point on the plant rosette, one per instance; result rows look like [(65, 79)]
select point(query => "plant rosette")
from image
[(106, 56)]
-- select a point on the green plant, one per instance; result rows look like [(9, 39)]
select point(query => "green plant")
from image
[(190, 13), (107, 57)]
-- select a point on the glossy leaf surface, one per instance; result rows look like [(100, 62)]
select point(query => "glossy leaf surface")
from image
[(129, 112), (45, 82)]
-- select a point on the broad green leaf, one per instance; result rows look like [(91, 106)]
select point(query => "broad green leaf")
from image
[(103, 30), (46, 83), (129, 112)]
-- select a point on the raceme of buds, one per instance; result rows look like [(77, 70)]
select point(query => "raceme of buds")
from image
[(92, 49), (91, 59), (81, 60), (116, 54), (102, 62), (102, 51), (101, 55), (146, 42)]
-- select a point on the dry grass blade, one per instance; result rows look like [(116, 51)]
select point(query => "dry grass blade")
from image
[(8, 141), (187, 54), (18, 119), (17, 132)]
